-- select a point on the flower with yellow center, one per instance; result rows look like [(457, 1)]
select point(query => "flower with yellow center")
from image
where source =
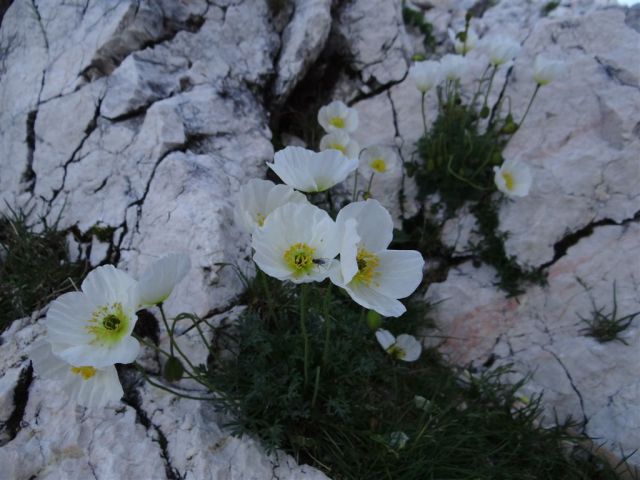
[(258, 198), (342, 142), (546, 70), (463, 46), (513, 178), (298, 242), (500, 49), (405, 347), (92, 328), (86, 385), (373, 276), (338, 117), (310, 171), (379, 160)]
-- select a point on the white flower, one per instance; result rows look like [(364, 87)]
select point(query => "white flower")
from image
[(373, 276), (379, 160), (87, 386), (340, 141), (513, 178), (405, 347), (426, 75), (338, 117), (546, 70), (466, 46), (93, 327), (500, 49), (310, 171), (258, 198), (159, 280), (421, 403), (398, 440), (297, 242), (453, 67)]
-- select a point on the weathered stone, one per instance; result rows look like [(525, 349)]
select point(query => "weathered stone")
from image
[(302, 41)]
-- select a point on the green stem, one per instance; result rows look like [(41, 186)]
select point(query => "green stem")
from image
[(164, 387), (267, 292), (535, 92), (368, 192), (355, 187), (486, 96), (327, 324), (316, 388), (173, 343), (303, 328), (462, 179), (424, 115)]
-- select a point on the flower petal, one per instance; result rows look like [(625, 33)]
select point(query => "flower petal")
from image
[(159, 280), (400, 273), (385, 338), (411, 347)]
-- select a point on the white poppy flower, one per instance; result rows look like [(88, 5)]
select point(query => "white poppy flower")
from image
[(258, 198), (342, 142), (464, 47), (513, 178), (405, 347), (159, 280), (379, 160), (87, 386), (453, 67), (546, 70), (310, 171), (500, 49), (373, 276), (426, 75), (338, 117), (398, 440), (297, 242), (93, 327)]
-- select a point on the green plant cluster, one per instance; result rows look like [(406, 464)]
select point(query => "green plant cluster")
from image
[(34, 267), (346, 420), (414, 18)]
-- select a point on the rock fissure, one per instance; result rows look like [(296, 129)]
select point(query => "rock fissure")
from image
[(585, 419), (13, 424)]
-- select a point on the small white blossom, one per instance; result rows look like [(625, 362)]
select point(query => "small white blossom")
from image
[(398, 440), (466, 46), (340, 141), (93, 327), (338, 117), (310, 171), (513, 178), (258, 198), (454, 67), (500, 49), (405, 347), (86, 385), (159, 280), (546, 70), (297, 242), (379, 160), (426, 75)]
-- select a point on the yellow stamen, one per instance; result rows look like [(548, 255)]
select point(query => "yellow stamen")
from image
[(85, 372), (108, 324), (337, 122), (260, 218), (368, 264), (379, 165), (396, 352), (299, 258), (337, 146), (508, 180)]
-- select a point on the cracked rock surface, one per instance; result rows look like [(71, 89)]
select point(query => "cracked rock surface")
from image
[(136, 121), (580, 220)]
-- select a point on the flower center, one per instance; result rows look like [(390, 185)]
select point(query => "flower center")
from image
[(108, 324), (379, 165), (260, 218), (299, 258), (85, 372), (508, 180), (337, 122), (337, 146), (396, 352), (367, 266)]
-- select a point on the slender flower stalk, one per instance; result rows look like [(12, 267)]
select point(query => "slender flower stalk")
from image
[(526, 112)]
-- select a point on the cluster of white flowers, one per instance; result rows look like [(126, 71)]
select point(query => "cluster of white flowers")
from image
[(297, 241), (513, 178), (88, 332)]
